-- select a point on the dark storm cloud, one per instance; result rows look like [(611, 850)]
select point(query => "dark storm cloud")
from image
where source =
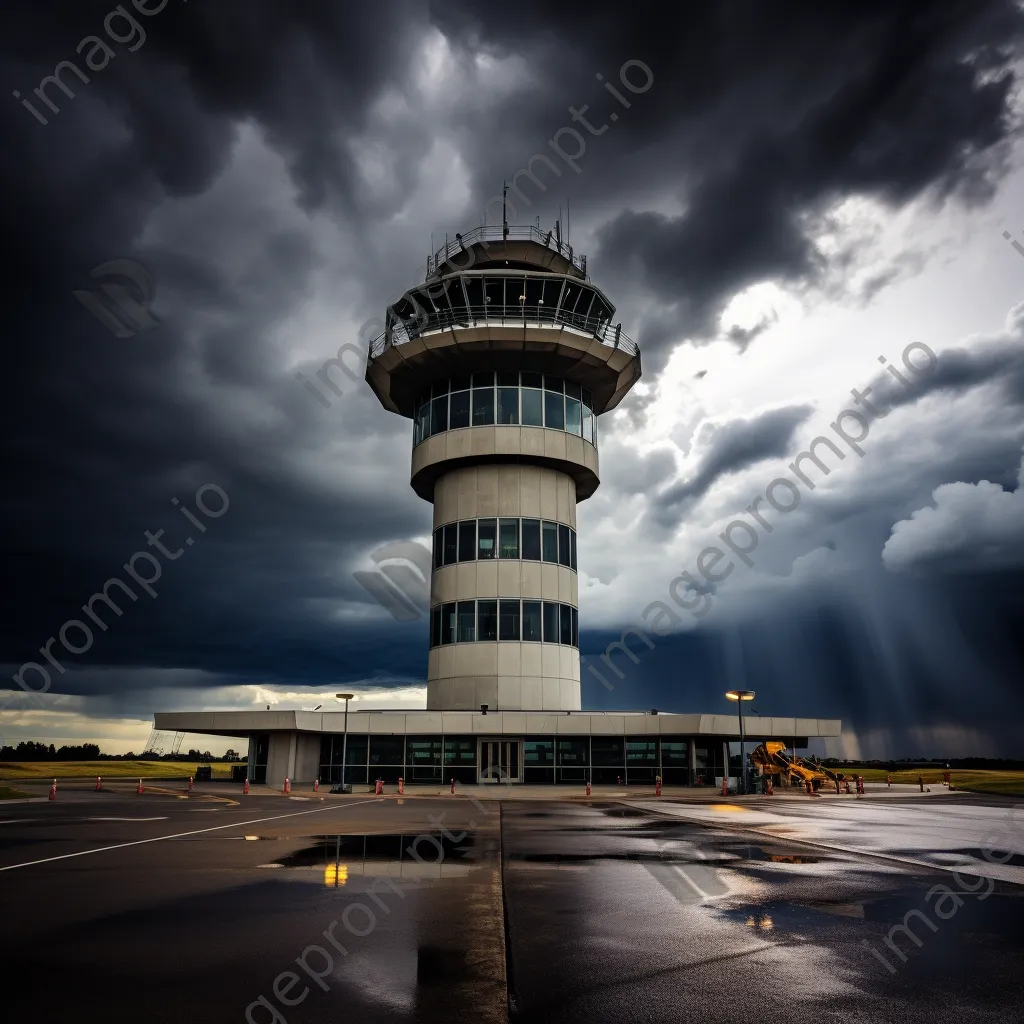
[(725, 448), (760, 117)]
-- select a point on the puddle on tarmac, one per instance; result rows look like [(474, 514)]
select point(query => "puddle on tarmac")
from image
[(340, 856)]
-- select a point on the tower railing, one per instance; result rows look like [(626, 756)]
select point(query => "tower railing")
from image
[(401, 332), (495, 233)]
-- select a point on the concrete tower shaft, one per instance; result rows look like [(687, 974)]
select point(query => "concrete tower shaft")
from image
[(503, 359)]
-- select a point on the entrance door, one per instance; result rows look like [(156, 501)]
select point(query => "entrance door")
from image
[(500, 760)]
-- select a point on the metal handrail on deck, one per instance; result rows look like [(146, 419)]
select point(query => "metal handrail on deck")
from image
[(465, 317), (494, 232)]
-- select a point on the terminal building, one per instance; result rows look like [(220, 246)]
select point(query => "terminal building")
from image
[(503, 359)]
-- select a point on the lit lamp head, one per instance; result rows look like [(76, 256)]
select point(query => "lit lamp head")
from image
[(738, 695), (344, 696)]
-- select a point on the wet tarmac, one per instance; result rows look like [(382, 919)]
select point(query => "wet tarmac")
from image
[(119, 908), (620, 915)]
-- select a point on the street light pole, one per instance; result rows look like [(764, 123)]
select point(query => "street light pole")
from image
[(346, 697), (740, 696)]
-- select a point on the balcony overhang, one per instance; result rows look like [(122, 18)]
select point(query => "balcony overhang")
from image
[(399, 374)]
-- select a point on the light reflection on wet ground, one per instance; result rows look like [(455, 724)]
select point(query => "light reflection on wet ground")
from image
[(663, 919)]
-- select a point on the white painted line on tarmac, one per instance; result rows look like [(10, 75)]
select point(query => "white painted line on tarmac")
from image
[(179, 835), (163, 818), (14, 821)]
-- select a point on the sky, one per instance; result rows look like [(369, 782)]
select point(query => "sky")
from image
[(776, 197)]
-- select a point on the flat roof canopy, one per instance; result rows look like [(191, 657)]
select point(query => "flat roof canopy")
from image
[(512, 723)]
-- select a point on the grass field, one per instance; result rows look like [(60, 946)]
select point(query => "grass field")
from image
[(14, 770), (1006, 783)]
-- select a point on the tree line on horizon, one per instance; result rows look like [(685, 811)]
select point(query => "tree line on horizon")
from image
[(29, 750)]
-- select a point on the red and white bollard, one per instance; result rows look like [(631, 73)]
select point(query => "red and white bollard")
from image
[(379, 791), (191, 784), (53, 790), (588, 787), (657, 786), (287, 784), (98, 785), (245, 788), (453, 786), (725, 785), (401, 787), (316, 785), (140, 787)]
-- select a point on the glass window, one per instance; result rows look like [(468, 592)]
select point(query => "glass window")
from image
[(532, 380), (435, 626), (439, 414), (460, 383), (483, 380), (466, 622), (531, 540), (387, 750), (573, 390), (533, 407), (554, 410), (508, 538), (675, 753), (532, 621), (549, 536), (553, 384), (573, 425), (574, 752), (424, 750), (451, 534), (508, 378), (563, 545), (508, 405), (538, 753), (487, 620), (438, 557), (565, 617), (587, 399), (575, 627), (487, 531), (550, 622), (588, 424), (509, 620), (595, 430), (439, 387), (467, 540), (483, 407), (355, 749), (448, 623), (572, 550), (460, 751), (459, 416), (607, 750)]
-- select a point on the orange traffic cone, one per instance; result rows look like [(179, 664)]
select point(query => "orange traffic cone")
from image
[(53, 790), (287, 784)]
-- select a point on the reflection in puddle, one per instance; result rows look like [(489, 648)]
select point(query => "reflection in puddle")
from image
[(340, 857)]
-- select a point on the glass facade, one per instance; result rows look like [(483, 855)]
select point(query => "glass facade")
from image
[(460, 622), (507, 397), (604, 760), (531, 540)]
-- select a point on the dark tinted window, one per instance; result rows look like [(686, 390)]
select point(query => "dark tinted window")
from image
[(509, 620), (451, 535), (487, 620), (531, 539), (488, 530), (459, 410), (467, 540), (550, 622), (532, 627)]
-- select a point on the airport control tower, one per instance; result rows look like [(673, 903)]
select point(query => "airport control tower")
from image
[(503, 359)]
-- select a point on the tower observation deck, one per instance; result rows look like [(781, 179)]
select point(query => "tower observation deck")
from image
[(503, 359)]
